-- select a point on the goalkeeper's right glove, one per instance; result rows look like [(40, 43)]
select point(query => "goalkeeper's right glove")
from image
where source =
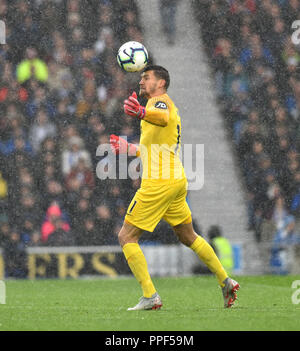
[(133, 108), (121, 146)]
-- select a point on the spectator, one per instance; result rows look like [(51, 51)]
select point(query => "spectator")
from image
[(103, 221), (295, 195), (54, 223), (277, 37), (256, 52), (61, 235), (60, 53), (27, 210), (82, 173), (87, 233), (82, 209), (10, 90), (17, 145), (40, 100), (290, 10), (54, 192), (60, 79), (32, 67), (41, 129), (15, 256), (285, 237), (88, 101), (235, 78), (75, 152)]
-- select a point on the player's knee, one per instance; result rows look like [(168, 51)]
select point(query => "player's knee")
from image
[(122, 237), (187, 240), (128, 234), (185, 234)]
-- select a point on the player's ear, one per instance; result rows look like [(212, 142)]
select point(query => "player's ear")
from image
[(161, 83)]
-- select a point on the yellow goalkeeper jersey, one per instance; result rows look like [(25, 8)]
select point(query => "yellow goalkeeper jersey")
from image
[(160, 141)]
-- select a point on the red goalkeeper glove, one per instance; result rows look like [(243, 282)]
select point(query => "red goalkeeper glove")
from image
[(121, 146), (133, 108)]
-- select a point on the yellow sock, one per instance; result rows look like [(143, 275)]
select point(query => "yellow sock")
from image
[(138, 265), (206, 253)]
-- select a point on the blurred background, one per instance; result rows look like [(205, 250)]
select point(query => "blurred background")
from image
[(235, 79)]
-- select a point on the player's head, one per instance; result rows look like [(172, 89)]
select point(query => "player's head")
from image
[(155, 80), (214, 232)]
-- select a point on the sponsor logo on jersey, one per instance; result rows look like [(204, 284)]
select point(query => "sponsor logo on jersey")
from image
[(161, 104)]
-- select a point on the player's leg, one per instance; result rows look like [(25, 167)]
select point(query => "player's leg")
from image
[(179, 217), (129, 234), (128, 238), (144, 212), (186, 234), (205, 252)]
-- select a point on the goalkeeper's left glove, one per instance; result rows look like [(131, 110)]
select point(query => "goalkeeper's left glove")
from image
[(121, 146), (133, 108)]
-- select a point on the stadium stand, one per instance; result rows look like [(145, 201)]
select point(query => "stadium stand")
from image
[(255, 69), (61, 95)]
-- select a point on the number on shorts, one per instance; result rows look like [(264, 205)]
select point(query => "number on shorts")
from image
[(132, 207)]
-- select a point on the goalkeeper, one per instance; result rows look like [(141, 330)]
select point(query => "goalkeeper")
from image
[(163, 190)]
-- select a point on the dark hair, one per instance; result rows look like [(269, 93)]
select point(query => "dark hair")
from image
[(159, 72), (214, 231)]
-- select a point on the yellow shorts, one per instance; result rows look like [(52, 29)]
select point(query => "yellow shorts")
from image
[(153, 202)]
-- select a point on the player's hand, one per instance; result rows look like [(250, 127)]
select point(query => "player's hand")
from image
[(121, 146), (118, 145), (133, 108)]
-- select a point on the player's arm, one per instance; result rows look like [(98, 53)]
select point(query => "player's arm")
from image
[(121, 146), (156, 113)]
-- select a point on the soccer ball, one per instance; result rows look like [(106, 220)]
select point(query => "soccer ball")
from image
[(132, 56)]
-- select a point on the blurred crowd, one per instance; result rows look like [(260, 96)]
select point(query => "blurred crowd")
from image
[(256, 71), (61, 96)]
